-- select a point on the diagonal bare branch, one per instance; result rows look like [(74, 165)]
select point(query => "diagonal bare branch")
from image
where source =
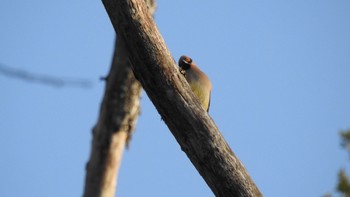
[(192, 127)]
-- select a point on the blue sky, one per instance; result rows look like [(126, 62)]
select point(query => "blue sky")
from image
[(280, 74)]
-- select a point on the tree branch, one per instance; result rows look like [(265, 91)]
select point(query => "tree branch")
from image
[(43, 79), (117, 120), (192, 127)]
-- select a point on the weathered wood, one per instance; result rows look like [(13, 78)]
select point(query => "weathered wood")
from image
[(192, 127), (117, 119)]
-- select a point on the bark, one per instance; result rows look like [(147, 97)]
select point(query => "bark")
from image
[(117, 119), (192, 127)]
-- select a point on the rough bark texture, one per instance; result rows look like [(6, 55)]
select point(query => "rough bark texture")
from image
[(192, 127), (117, 119)]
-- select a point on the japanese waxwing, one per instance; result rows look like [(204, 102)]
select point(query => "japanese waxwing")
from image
[(199, 82)]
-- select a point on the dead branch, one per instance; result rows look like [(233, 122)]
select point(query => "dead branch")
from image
[(192, 127)]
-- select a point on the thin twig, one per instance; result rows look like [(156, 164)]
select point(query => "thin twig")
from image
[(43, 79)]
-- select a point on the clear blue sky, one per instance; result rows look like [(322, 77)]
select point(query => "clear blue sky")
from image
[(281, 93)]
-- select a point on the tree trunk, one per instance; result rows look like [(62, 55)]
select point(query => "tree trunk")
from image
[(117, 119), (192, 127)]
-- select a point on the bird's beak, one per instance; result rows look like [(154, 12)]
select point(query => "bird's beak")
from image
[(186, 62)]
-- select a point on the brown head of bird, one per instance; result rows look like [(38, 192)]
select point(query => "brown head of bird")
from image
[(185, 63)]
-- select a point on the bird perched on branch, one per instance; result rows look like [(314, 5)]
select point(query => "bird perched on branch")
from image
[(199, 82)]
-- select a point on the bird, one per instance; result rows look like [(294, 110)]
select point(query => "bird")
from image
[(198, 80)]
